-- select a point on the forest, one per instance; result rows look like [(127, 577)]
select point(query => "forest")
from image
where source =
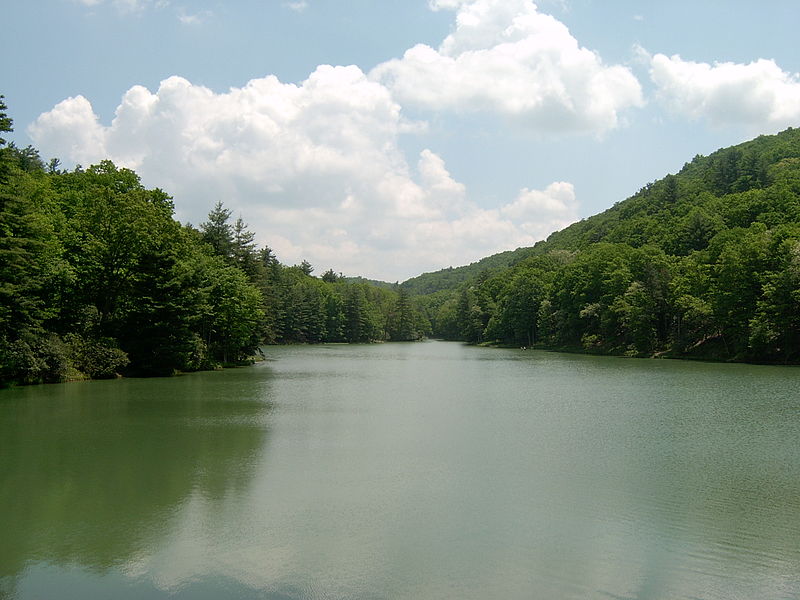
[(704, 264), (98, 279)]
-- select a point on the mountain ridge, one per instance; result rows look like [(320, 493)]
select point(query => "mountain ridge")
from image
[(735, 169)]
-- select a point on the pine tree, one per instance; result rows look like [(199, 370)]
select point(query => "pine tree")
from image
[(402, 323), (244, 250), (218, 233), (6, 126)]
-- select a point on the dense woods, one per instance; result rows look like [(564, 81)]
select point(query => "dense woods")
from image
[(97, 279), (704, 263)]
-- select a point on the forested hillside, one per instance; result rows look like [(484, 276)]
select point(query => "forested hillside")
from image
[(703, 263), (97, 279), (430, 283)]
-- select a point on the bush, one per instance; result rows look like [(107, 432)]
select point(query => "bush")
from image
[(34, 358), (99, 358)]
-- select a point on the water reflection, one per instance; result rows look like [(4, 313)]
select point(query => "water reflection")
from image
[(410, 471), (95, 475)]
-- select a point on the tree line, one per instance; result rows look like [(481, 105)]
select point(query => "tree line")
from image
[(97, 278), (704, 263)]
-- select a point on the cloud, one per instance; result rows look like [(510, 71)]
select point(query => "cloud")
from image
[(505, 57), (315, 168), (197, 18), (759, 95), (539, 213), (297, 6), (73, 129), (126, 6)]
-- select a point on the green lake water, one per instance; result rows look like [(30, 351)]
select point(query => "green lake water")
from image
[(408, 471)]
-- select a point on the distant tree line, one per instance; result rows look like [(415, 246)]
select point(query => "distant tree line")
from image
[(97, 279), (705, 263)]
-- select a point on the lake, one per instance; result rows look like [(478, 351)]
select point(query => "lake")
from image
[(424, 470)]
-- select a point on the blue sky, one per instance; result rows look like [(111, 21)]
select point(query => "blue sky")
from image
[(388, 138)]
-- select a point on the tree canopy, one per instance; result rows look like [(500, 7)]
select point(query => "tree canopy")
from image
[(97, 279), (702, 263)]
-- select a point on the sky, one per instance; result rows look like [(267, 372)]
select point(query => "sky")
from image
[(387, 138)]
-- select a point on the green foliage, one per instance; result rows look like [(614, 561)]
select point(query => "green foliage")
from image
[(157, 325), (361, 318), (233, 314), (373, 282), (429, 283), (402, 325), (33, 357), (217, 232), (775, 326), (6, 126), (98, 358), (703, 263), (515, 320), (306, 267), (97, 279), (330, 276)]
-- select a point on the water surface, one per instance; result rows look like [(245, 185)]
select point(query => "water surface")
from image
[(428, 470)]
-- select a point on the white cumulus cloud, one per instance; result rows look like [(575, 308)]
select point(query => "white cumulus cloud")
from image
[(72, 129), (506, 57), (540, 212), (759, 95), (315, 169)]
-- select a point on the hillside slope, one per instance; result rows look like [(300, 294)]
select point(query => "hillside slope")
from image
[(705, 262), (733, 187), (452, 277)]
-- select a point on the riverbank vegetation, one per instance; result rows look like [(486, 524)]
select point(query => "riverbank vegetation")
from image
[(704, 263), (97, 278)]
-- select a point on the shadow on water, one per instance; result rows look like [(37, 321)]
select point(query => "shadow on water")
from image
[(94, 475)]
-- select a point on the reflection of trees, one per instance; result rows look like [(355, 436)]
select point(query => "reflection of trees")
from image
[(91, 474)]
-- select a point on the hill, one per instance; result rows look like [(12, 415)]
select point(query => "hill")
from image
[(452, 277), (679, 213), (733, 187), (704, 263), (373, 282)]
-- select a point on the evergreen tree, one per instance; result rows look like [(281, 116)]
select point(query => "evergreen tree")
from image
[(244, 251), (306, 267), (156, 329), (360, 319), (402, 322), (218, 232), (6, 126), (330, 276)]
